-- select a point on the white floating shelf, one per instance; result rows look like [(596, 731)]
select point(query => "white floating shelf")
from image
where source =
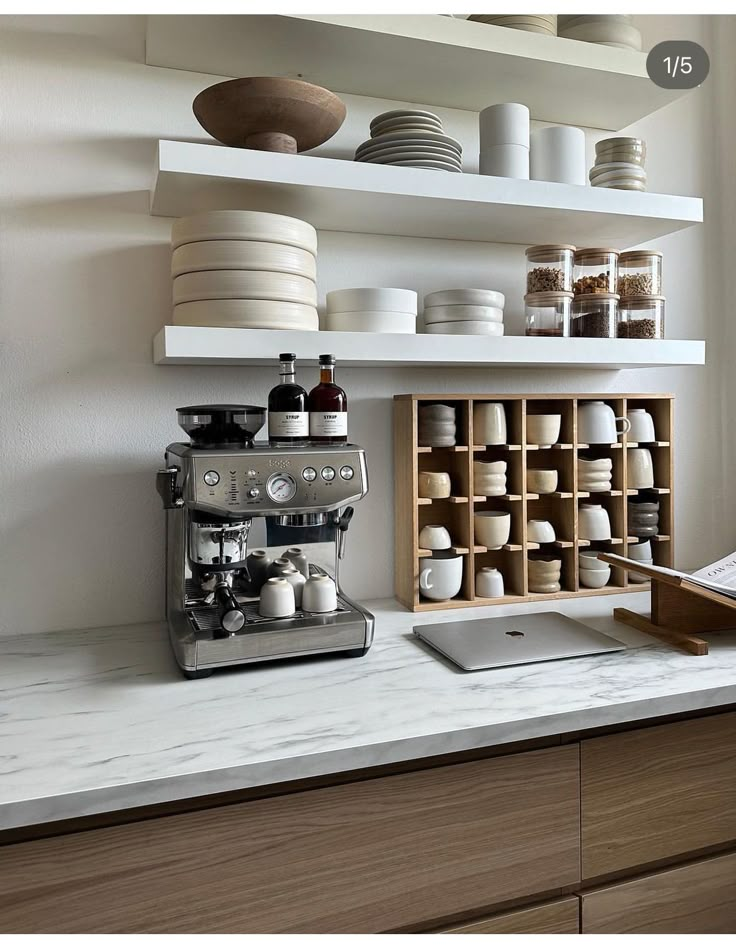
[(184, 345), (371, 198), (426, 59)]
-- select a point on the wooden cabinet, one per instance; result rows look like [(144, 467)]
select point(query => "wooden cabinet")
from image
[(657, 793), (560, 916), (366, 856), (696, 898)]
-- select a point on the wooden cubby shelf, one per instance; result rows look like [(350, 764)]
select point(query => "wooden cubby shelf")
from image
[(458, 512)]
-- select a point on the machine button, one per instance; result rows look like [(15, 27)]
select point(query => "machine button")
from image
[(254, 492), (328, 474), (309, 474), (347, 472), (211, 477), (251, 472)]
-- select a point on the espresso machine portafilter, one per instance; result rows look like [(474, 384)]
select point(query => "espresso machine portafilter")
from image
[(216, 489)]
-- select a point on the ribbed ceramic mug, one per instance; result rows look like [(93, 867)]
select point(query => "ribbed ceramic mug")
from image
[(544, 574)]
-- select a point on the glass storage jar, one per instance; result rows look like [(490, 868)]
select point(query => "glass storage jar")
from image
[(640, 273), (641, 317), (548, 314), (594, 315), (549, 268), (596, 270)]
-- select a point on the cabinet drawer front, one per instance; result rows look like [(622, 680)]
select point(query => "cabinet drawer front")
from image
[(697, 898), (363, 857), (657, 793), (561, 916)]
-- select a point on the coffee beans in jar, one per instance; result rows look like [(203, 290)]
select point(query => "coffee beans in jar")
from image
[(549, 268), (594, 315), (596, 270), (641, 317)]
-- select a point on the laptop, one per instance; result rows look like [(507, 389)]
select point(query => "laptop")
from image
[(488, 643)]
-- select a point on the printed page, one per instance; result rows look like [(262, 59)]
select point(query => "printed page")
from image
[(722, 572)]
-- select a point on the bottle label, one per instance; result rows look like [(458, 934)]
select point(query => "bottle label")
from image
[(328, 423), (288, 424)]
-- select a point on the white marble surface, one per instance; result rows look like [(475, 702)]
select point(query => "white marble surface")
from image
[(99, 720)]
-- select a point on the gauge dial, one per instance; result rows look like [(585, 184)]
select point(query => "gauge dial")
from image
[(281, 487)]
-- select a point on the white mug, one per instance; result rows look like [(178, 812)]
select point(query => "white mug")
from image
[(639, 468), (441, 576), (597, 423), (434, 485), (492, 528), (489, 583), (593, 523), (319, 594), (543, 429), (489, 423), (277, 599), (434, 537), (540, 530), (640, 551), (642, 425), (297, 582), (541, 481)]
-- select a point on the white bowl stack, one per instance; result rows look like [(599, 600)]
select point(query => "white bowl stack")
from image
[(605, 29), (619, 164), (504, 141), (244, 269), (392, 311), (464, 312), (529, 22), (411, 138)]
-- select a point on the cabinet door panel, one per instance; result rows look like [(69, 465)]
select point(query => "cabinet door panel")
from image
[(696, 898), (367, 856), (561, 916), (656, 793)]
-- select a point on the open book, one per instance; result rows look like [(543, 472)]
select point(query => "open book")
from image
[(720, 576)]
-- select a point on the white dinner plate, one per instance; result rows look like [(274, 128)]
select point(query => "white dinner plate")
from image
[(465, 328), (398, 323), (243, 254), (376, 300), (488, 297), (244, 225), (407, 157), (406, 144), (462, 313), (242, 284), (403, 113), (392, 124), (247, 313), (440, 150), (428, 136)]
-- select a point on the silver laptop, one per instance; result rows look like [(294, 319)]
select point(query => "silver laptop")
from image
[(487, 643)]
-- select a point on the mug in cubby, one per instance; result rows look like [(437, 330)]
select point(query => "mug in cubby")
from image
[(594, 476), (639, 468), (643, 517), (489, 583), (437, 425), (489, 423), (540, 531), (544, 573), (597, 423), (543, 429), (642, 425), (441, 576), (431, 485), (593, 523), (542, 482), (489, 477), (492, 528), (434, 537)]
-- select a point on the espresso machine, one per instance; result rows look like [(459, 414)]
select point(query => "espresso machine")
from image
[(220, 490)]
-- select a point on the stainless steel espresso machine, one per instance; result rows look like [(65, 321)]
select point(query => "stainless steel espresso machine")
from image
[(220, 489)]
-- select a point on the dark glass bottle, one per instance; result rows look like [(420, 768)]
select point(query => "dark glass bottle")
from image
[(328, 406), (288, 419)]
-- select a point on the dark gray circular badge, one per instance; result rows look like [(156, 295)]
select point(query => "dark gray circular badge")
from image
[(678, 64)]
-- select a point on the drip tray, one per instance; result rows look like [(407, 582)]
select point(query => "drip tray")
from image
[(206, 620), (489, 643)]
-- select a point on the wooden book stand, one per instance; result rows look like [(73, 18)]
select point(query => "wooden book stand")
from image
[(680, 609)]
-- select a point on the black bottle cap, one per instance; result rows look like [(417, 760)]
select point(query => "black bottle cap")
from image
[(287, 356), (327, 359)]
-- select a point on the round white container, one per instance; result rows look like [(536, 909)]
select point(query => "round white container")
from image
[(462, 313), (243, 254), (558, 154), (505, 124), (244, 225), (400, 323), (243, 284), (505, 161), (247, 313), (464, 328), (485, 297), (373, 300)]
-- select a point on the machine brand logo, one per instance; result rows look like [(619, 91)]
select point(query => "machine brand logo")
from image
[(282, 463)]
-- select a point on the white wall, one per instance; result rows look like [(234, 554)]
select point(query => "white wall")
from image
[(84, 286)]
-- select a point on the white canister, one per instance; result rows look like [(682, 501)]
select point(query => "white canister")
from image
[(558, 154), (504, 124), (505, 161)]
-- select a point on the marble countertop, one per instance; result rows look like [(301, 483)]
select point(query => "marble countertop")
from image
[(100, 720)]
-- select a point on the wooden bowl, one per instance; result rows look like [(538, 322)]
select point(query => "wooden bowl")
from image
[(269, 113)]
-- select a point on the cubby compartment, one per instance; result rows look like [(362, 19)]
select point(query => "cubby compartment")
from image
[(484, 430), (457, 511)]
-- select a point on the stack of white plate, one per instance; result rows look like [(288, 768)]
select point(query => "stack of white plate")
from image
[(411, 138), (619, 163), (244, 269), (530, 23), (605, 29), (371, 310), (464, 312)]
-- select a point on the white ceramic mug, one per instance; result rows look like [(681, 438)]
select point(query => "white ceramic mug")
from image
[(319, 594), (593, 523), (434, 485), (277, 599), (589, 561), (298, 559), (489, 583), (543, 429), (595, 577), (441, 576), (541, 482), (597, 423), (492, 528), (434, 537), (539, 530), (641, 551), (639, 468), (297, 582), (489, 423), (642, 425)]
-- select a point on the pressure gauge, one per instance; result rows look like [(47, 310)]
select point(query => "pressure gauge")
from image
[(281, 487)]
